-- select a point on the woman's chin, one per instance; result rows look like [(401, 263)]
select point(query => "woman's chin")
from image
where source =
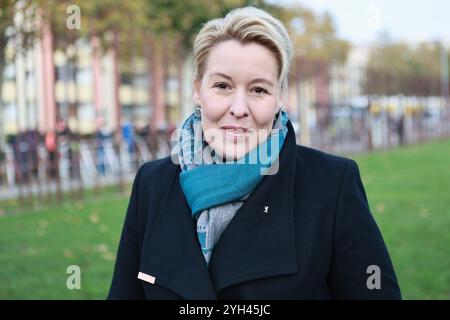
[(234, 153)]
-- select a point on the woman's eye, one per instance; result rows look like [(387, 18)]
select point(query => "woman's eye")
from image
[(260, 91), (221, 85)]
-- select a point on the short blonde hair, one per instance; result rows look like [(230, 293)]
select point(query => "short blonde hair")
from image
[(248, 24)]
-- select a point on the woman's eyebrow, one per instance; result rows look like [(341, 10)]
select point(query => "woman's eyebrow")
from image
[(229, 78), (220, 75), (262, 80)]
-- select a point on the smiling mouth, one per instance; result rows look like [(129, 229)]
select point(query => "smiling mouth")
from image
[(235, 131)]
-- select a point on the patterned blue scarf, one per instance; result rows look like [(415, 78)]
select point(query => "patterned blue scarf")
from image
[(214, 189)]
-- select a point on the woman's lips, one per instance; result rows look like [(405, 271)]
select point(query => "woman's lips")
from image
[(235, 131)]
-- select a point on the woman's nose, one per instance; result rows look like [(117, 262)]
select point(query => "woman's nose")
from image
[(239, 106)]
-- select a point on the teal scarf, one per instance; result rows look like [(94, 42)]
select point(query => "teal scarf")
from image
[(207, 185), (216, 190)]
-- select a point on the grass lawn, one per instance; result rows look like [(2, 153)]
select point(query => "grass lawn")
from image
[(408, 191), (37, 246), (409, 195)]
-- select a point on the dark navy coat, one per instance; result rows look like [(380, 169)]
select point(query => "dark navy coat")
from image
[(318, 239)]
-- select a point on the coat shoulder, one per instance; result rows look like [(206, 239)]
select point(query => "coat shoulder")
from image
[(310, 158), (152, 181), (319, 170), (157, 170)]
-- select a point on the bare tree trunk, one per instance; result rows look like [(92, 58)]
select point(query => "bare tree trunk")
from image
[(18, 154), (2, 68), (28, 134), (302, 108), (51, 103), (159, 103), (163, 116), (95, 44), (118, 108), (156, 81), (74, 137), (2, 133), (180, 70)]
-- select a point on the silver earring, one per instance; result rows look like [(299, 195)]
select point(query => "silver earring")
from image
[(277, 114), (198, 112)]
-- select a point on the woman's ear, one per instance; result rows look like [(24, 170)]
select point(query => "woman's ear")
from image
[(282, 100), (196, 93)]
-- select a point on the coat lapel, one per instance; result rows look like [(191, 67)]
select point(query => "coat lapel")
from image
[(171, 250), (258, 242)]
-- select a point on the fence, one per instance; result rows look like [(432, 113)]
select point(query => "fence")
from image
[(32, 170), (28, 169), (383, 123)]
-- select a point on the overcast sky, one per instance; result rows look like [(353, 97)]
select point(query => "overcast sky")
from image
[(361, 21)]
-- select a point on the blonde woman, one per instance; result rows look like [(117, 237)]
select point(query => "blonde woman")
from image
[(240, 211)]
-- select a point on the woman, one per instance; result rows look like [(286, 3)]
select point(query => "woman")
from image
[(240, 211)]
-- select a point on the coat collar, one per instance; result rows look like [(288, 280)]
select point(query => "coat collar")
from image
[(254, 245)]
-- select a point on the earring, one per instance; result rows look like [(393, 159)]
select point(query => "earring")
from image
[(197, 112), (277, 114)]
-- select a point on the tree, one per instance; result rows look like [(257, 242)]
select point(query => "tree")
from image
[(316, 48), (10, 30), (399, 68)]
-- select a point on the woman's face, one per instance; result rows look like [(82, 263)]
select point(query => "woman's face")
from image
[(238, 97)]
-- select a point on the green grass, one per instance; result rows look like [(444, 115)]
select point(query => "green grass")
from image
[(409, 195), (36, 247), (408, 191)]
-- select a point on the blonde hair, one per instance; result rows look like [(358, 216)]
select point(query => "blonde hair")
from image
[(248, 24)]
